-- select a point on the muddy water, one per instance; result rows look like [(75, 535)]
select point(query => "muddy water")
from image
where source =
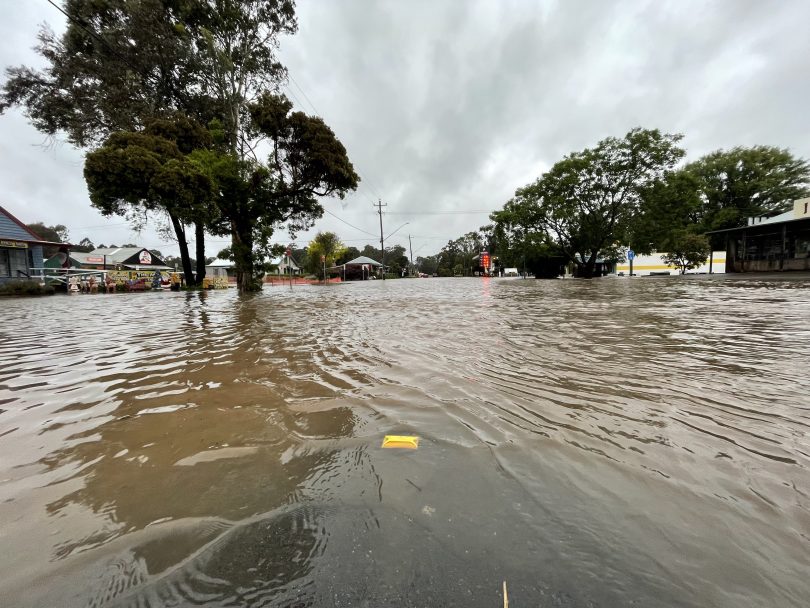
[(606, 443)]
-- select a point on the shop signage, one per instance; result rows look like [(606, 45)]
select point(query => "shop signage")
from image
[(15, 244), (485, 259), (93, 259), (145, 257), (119, 276)]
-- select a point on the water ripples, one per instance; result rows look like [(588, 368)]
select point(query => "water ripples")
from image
[(202, 448)]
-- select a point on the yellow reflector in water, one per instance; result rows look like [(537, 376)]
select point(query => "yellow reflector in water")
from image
[(400, 441)]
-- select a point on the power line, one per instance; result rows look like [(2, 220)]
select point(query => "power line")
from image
[(368, 185), (348, 224)]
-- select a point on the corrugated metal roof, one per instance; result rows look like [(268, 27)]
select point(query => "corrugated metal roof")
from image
[(363, 260), (221, 264), (115, 255)]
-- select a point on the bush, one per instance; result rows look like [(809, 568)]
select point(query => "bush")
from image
[(25, 288)]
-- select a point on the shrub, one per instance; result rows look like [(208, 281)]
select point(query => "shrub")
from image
[(25, 288)]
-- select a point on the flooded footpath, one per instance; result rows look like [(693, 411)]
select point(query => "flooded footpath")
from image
[(612, 442)]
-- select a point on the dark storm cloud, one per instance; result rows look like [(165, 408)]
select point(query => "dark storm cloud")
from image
[(449, 106)]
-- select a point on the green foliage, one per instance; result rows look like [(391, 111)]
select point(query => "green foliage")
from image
[(139, 172), (428, 264), (25, 288), (325, 244), (458, 256), (54, 234), (587, 201), (687, 251), (747, 182), (668, 207), (117, 64), (349, 253), (254, 199), (85, 246)]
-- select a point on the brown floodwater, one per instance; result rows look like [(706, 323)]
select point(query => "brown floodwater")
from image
[(612, 442)]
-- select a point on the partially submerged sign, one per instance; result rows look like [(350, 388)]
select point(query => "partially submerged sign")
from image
[(408, 442)]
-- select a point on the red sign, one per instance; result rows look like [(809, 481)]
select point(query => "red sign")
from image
[(95, 259), (289, 252), (485, 260)]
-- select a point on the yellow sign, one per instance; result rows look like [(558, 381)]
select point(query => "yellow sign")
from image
[(408, 442), (119, 276), (15, 244)]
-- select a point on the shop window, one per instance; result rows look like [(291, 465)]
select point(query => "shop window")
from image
[(17, 261)]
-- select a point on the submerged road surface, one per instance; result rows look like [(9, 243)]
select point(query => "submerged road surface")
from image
[(615, 442)]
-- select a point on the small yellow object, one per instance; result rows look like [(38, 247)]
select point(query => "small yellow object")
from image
[(401, 441)]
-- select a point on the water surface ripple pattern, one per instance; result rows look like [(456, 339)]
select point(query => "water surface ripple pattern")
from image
[(594, 443)]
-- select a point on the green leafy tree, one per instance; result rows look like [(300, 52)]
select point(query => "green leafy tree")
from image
[(395, 260), (587, 201), (134, 173), (428, 264), (123, 63), (349, 253), (669, 206), (84, 246), (306, 161), (54, 234), (370, 251), (746, 182), (328, 245), (688, 251)]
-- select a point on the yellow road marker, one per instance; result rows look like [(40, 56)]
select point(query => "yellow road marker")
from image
[(505, 596), (408, 442)]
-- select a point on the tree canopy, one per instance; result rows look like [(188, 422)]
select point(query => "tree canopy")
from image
[(306, 161), (746, 182), (133, 173), (587, 201), (328, 245)]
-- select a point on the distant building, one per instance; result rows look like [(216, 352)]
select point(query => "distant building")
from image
[(771, 244), (646, 265), (221, 268), (360, 268), (21, 250), (110, 258), (285, 266)]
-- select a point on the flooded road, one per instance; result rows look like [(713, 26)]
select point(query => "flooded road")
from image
[(612, 442)]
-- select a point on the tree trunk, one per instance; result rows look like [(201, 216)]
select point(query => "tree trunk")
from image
[(199, 237), (242, 249), (180, 232), (589, 266)]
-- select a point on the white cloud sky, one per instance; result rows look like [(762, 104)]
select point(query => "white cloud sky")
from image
[(446, 107)]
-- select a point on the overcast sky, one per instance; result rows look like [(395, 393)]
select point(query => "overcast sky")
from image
[(447, 106)]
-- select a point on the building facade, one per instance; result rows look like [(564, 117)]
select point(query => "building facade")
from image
[(21, 251), (775, 244)]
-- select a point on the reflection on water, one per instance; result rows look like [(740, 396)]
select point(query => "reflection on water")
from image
[(593, 443)]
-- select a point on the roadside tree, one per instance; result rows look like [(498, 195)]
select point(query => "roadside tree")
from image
[(587, 201), (688, 251), (328, 245), (745, 182)]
